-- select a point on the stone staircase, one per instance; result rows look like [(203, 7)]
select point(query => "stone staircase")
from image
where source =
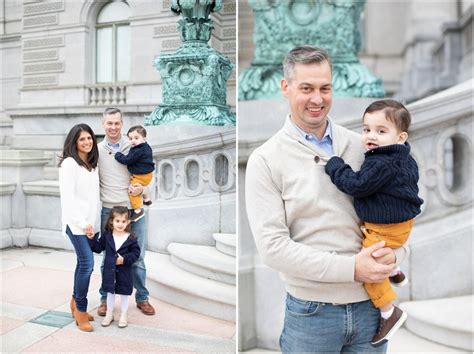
[(448, 321), (199, 278)]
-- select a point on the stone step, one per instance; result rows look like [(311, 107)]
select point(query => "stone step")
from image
[(446, 321), (176, 286), (226, 243), (205, 261)]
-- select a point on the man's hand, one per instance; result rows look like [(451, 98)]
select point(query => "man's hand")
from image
[(367, 269), (135, 189), (89, 231), (119, 260), (385, 255)]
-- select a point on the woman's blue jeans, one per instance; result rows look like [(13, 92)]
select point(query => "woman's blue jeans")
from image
[(84, 268), (317, 327)]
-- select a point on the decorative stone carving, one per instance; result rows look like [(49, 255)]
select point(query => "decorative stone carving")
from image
[(461, 191), (330, 24), (168, 179), (192, 176), (195, 76), (221, 171)]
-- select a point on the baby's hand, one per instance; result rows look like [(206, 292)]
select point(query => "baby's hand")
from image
[(119, 260)]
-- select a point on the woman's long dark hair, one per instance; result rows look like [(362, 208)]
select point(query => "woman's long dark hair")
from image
[(70, 147)]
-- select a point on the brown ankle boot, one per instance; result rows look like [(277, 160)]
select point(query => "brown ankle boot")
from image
[(82, 321), (73, 307)]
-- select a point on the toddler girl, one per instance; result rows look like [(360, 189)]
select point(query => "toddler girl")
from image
[(121, 251)]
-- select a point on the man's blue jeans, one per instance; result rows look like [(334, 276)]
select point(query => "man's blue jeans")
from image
[(84, 268), (138, 268), (317, 327)]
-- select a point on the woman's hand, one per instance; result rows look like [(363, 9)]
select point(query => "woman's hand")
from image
[(89, 230)]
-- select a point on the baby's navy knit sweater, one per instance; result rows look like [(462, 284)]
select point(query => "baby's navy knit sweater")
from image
[(385, 188)]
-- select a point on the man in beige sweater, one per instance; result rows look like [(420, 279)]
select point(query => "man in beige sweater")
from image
[(305, 228), (114, 188)]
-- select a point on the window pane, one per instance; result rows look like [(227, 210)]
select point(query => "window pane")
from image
[(114, 11), (123, 53), (104, 55)]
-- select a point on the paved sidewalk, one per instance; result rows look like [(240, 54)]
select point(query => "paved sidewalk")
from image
[(36, 287)]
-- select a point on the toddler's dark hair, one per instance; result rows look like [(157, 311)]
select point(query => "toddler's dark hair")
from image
[(139, 129), (394, 111)]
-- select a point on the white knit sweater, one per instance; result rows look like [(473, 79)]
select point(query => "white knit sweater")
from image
[(303, 226), (80, 197)]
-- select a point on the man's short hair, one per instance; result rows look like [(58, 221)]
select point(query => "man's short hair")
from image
[(139, 129), (304, 54), (394, 111), (111, 110)]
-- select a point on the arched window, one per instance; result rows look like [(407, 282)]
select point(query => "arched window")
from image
[(113, 43)]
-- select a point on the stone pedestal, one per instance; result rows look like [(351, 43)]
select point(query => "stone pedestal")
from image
[(195, 184), (20, 166)]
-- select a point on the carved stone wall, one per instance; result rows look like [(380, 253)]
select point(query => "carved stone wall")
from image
[(195, 184)]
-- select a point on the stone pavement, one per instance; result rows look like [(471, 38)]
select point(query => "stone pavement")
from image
[(36, 287)]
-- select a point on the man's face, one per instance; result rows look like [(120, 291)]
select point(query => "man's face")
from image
[(309, 93), (112, 124)]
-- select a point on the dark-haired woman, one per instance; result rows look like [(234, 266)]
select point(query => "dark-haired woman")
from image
[(80, 206)]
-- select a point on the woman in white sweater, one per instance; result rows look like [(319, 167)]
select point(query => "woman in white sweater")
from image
[(80, 207)]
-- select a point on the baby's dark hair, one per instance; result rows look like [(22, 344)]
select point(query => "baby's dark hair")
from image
[(139, 129), (394, 111), (117, 210)]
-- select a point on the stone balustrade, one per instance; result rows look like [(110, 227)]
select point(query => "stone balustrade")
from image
[(106, 95)]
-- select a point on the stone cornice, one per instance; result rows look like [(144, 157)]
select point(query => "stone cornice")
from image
[(48, 188), (7, 188), (22, 158), (453, 103), (216, 137)]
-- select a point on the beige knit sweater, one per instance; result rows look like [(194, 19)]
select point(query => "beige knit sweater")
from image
[(114, 177), (303, 226)]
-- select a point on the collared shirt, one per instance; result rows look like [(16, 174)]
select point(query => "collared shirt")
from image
[(114, 147), (324, 144)]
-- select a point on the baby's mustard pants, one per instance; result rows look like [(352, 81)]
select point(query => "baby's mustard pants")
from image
[(394, 235), (144, 180)]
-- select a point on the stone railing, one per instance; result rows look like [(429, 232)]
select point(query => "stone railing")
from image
[(195, 194), (98, 95), (199, 171)]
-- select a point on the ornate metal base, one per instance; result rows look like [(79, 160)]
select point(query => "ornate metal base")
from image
[(191, 114)]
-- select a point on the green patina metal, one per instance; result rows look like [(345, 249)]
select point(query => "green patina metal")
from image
[(195, 76), (333, 25)]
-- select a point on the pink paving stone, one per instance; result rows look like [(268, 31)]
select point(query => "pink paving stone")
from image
[(67, 340), (7, 324), (174, 318), (40, 287)]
